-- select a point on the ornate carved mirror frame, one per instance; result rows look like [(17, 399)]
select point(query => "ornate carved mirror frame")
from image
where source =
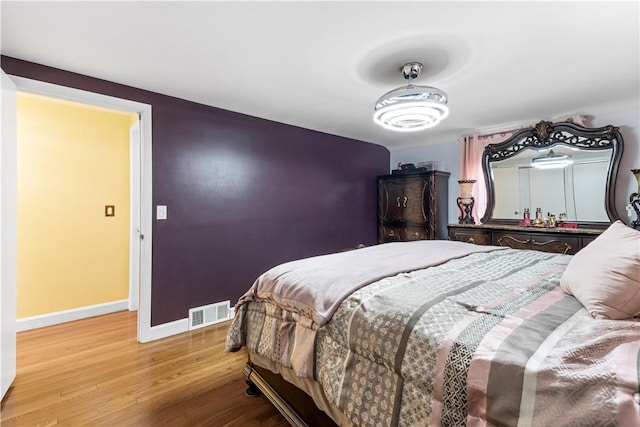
[(546, 135)]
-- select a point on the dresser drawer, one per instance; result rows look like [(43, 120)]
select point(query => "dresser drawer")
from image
[(390, 234), (556, 244), (402, 234), (470, 236), (415, 233), (539, 242), (539, 239), (512, 240)]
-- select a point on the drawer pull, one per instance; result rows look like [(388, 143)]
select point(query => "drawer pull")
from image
[(471, 240), (391, 233), (404, 201)]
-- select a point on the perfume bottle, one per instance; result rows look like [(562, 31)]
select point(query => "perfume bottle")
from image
[(526, 216)]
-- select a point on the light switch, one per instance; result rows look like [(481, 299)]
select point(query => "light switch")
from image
[(161, 212)]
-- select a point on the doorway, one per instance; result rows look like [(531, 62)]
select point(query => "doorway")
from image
[(74, 209), (140, 233)]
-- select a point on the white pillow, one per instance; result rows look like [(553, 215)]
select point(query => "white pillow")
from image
[(605, 275)]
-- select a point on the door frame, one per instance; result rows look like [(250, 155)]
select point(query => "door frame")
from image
[(134, 215), (8, 232), (141, 168)]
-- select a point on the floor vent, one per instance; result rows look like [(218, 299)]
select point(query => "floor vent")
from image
[(206, 315)]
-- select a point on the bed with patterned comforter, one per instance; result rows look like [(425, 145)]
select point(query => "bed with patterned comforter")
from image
[(478, 336)]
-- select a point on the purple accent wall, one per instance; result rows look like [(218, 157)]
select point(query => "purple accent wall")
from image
[(243, 193)]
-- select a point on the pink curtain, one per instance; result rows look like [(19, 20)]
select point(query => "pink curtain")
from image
[(471, 149)]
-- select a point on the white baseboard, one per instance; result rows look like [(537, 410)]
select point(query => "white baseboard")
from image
[(155, 332), (27, 323), (165, 330), (172, 328)]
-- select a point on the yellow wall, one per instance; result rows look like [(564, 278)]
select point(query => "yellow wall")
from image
[(73, 160)]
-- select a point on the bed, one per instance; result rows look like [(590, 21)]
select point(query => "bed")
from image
[(449, 333)]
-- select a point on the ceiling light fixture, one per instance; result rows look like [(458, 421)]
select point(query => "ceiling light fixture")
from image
[(551, 160), (411, 108)]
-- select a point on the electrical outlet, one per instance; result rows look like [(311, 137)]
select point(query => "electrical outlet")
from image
[(161, 212)]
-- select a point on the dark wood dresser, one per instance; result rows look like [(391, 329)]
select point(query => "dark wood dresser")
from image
[(413, 206), (556, 240)]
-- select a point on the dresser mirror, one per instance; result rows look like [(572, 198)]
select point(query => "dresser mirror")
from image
[(562, 168)]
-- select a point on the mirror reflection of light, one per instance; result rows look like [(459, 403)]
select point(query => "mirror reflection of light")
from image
[(556, 164), (551, 160)]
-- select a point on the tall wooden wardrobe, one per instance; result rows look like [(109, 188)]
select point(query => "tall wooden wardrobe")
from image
[(413, 206)]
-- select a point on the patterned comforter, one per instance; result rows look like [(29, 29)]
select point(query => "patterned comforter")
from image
[(487, 339)]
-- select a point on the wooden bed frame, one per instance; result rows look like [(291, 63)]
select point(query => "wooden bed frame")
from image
[(294, 404)]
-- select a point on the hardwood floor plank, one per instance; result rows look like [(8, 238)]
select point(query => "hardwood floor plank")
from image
[(92, 372)]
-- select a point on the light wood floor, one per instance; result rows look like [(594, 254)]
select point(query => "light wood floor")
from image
[(92, 372)]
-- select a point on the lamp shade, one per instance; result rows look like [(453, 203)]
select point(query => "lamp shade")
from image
[(411, 108), (466, 188)]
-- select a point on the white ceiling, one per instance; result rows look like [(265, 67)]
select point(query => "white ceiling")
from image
[(322, 65)]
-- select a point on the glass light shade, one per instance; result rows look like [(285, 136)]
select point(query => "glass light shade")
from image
[(466, 188), (411, 108), (636, 173)]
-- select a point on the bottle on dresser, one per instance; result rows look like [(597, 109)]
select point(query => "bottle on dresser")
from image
[(526, 217)]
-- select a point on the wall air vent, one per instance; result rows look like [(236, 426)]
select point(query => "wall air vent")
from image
[(206, 315)]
